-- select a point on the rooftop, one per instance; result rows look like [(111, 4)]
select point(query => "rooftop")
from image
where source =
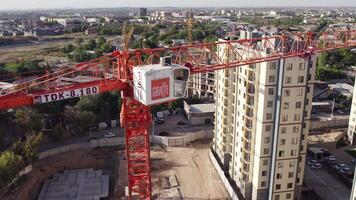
[(326, 137), (202, 108), (83, 184), (342, 88)]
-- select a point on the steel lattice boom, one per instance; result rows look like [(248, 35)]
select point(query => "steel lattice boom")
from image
[(114, 72)]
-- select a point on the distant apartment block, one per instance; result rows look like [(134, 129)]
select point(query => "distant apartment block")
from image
[(261, 124), (351, 132), (202, 85), (142, 12)]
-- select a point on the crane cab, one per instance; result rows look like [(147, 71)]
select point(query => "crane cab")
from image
[(159, 83)]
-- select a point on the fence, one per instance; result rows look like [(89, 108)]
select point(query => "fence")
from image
[(116, 141), (223, 178), (319, 124), (181, 140)]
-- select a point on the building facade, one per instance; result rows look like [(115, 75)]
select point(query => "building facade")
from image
[(142, 12), (261, 125), (353, 190), (202, 85), (351, 132)]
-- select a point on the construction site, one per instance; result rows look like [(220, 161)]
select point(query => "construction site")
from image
[(251, 143)]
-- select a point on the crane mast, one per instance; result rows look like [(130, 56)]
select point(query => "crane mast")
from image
[(115, 72)]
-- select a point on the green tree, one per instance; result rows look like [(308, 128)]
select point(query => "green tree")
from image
[(101, 41), (29, 119), (68, 48), (150, 44), (10, 165), (91, 45), (106, 48), (79, 41), (79, 55), (22, 66), (58, 133), (85, 119), (30, 147)]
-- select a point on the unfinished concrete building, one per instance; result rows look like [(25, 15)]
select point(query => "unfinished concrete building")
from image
[(261, 125), (202, 85)]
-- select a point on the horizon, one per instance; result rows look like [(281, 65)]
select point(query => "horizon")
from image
[(152, 7), (107, 4)]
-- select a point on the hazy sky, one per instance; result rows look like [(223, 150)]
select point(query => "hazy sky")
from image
[(33, 4)]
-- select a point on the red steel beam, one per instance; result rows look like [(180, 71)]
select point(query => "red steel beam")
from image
[(24, 98)]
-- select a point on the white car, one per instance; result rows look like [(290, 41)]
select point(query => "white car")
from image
[(109, 135), (340, 166), (331, 159), (312, 162), (316, 166)]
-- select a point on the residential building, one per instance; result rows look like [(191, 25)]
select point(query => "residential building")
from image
[(353, 190), (199, 114), (351, 132), (202, 85), (261, 125), (143, 12)]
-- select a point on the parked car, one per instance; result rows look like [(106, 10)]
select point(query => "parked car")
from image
[(109, 135), (347, 173), (331, 159), (316, 166), (340, 166), (311, 162)]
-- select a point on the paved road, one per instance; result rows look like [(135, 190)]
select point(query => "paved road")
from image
[(81, 139), (169, 126), (328, 186)]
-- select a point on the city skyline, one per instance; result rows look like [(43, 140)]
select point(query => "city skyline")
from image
[(44, 4)]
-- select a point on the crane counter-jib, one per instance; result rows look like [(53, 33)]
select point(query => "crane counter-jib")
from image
[(26, 98)]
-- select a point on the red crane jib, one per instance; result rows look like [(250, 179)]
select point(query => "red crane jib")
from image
[(114, 72)]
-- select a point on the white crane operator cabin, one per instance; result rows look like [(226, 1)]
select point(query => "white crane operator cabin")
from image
[(159, 83)]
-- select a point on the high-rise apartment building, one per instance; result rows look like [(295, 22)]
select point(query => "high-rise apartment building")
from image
[(202, 85), (261, 124), (142, 12), (351, 132), (353, 189)]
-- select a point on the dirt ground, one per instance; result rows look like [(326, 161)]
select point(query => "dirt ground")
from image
[(29, 186), (191, 165)]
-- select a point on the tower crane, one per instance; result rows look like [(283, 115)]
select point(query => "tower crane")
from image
[(147, 77), (190, 26)]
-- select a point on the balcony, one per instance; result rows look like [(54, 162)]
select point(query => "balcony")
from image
[(247, 146), (226, 83), (248, 135), (251, 76), (248, 123), (251, 89), (249, 112), (250, 101), (225, 111), (246, 157)]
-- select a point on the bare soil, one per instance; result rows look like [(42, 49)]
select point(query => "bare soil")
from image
[(196, 175)]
